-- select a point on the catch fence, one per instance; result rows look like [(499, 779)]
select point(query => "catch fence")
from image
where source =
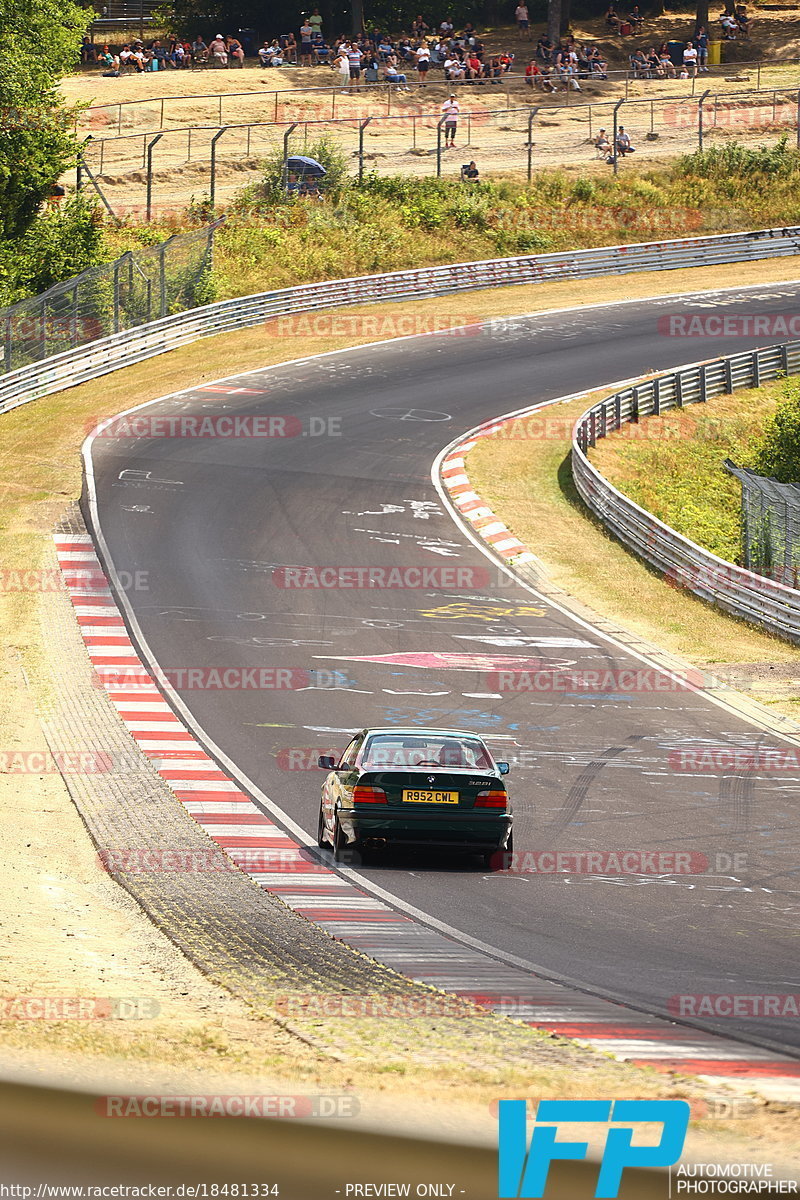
[(137, 288), (138, 170), (770, 525)]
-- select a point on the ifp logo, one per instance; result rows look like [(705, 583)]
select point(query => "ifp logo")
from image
[(523, 1169)]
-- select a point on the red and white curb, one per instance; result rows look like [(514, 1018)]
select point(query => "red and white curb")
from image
[(474, 509), (300, 877)]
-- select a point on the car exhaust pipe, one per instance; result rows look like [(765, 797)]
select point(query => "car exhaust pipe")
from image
[(375, 843)]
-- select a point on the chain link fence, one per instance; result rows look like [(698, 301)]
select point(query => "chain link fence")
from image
[(141, 286), (770, 525), (151, 173)]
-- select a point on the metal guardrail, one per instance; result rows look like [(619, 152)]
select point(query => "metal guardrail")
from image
[(743, 593), (134, 345)]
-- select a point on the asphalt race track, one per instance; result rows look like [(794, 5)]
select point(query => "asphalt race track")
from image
[(214, 523)]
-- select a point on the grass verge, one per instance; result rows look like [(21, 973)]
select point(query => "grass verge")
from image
[(673, 465)]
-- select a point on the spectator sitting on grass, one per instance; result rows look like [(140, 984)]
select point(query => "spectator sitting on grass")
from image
[(729, 26), (612, 20), (218, 50), (624, 142), (470, 173), (743, 21), (544, 49), (602, 142), (271, 55), (393, 76), (235, 50), (667, 65), (88, 50), (636, 19)]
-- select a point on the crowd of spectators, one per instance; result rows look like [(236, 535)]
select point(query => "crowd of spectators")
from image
[(460, 56), (563, 65)]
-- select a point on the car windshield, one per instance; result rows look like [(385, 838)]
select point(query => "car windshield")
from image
[(428, 750)]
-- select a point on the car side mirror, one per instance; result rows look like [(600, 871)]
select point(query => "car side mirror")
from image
[(503, 768), (326, 761)]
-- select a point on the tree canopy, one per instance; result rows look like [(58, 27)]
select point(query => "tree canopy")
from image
[(39, 42)]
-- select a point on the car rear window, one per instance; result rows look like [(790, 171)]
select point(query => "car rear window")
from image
[(387, 750)]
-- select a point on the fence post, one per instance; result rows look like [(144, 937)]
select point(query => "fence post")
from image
[(213, 184), (43, 342), (798, 121), (116, 295), (150, 149), (707, 92), (162, 279), (617, 107), (9, 346), (657, 396), (756, 360), (73, 331), (703, 384), (362, 125), (531, 115), (286, 137), (439, 125)]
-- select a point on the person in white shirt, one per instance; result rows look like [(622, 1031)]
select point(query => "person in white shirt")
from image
[(690, 60), (522, 19), (451, 109), (342, 65), (423, 56), (623, 142)]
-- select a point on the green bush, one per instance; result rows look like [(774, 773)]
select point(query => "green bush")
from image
[(60, 242), (777, 451)]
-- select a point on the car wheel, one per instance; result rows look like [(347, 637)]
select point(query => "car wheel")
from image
[(339, 841), (322, 833)]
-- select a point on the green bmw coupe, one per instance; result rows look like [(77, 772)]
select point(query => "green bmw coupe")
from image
[(415, 787)]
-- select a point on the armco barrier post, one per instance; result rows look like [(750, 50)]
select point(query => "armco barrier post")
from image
[(439, 127)]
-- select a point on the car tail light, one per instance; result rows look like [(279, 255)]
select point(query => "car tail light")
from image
[(363, 794), (491, 800)]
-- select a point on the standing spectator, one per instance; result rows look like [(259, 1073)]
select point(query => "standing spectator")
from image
[(342, 65), (690, 60), (451, 109), (423, 57), (701, 41), (523, 23), (354, 57), (306, 45), (623, 143), (315, 21)]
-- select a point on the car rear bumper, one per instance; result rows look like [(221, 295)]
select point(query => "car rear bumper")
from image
[(477, 831)]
